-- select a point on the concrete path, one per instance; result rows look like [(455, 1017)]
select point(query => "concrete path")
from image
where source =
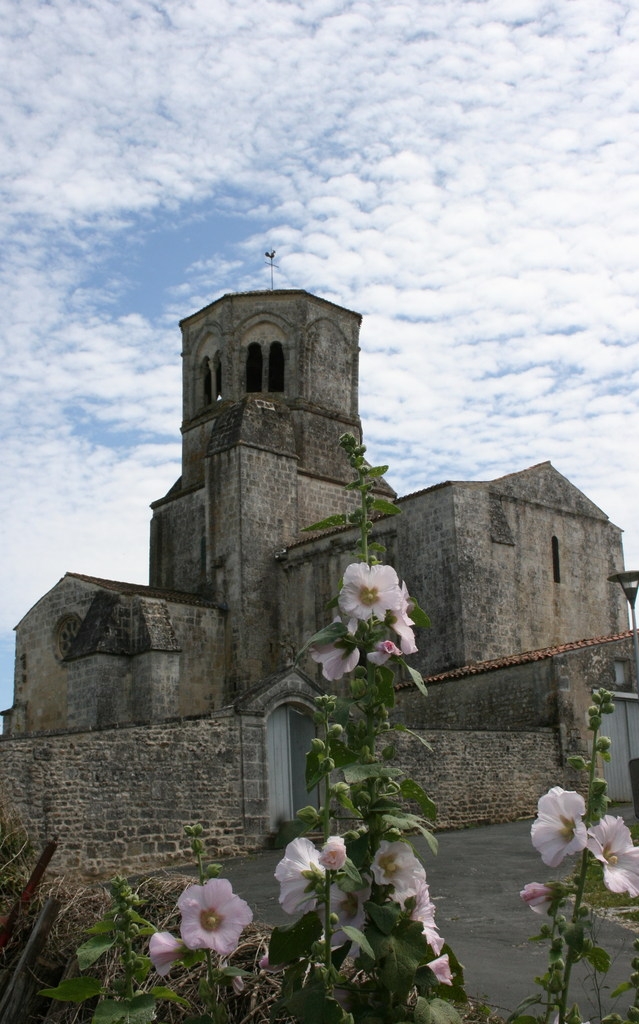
[(475, 882)]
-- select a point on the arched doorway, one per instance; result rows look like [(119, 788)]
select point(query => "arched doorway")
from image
[(289, 731)]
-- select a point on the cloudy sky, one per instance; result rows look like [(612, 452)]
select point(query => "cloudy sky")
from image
[(464, 174)]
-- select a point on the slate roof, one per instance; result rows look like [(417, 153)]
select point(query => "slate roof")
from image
[(174, 596)]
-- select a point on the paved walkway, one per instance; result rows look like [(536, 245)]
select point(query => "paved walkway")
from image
[(475, 882)]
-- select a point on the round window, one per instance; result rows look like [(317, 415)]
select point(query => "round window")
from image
[(66, 633)]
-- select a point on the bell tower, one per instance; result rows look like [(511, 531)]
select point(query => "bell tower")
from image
[(270, 382)]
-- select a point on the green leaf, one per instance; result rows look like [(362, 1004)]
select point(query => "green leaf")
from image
[(327, 635), (416, 677), (599, 959), (419, 617), (398, 727), (91, 950), (361, 772), (313, 771), (312, 1005), (380, 505), (350, 871), (341, 754), (411, 790), (408, 947), (162, 992), (294, 940), (74, 990), (357, 849), (139, 1010), (359, 938), (625, 986), (385, 680), (376, 471), (328, 523), (384, 916), (518, 1015), (435, 1011), (345, 801)]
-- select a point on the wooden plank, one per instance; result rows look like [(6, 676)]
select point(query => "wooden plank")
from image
[(23, 982)]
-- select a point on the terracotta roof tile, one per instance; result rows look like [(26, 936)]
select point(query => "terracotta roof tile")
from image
[(478, 668)]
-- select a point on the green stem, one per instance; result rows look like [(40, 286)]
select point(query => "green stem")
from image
[(581, 883)]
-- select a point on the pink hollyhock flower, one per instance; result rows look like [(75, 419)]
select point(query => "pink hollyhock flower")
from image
[(164, 950), (369, 590), (537, 896), (264, 964), (402, 623), (349, 907), (384, 650), (333, 854), (396, 864), (559, 830), (336, 659), (441, 969), (300, 856), (611, 843), (213, 917), (424, 911)]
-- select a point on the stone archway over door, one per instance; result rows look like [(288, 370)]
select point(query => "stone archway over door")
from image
[(289, 732)]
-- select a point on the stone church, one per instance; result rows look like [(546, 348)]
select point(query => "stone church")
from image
[(139, 708)]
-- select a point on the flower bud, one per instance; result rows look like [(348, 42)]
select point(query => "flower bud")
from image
[(358, 687), (595, 721), (599, 786), (318, 745), (308, 815), (388, 752)]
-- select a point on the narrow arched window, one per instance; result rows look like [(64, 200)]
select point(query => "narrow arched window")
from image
[(207, 383), (254, 367), (556, 575), (218, 377), (276, 367)]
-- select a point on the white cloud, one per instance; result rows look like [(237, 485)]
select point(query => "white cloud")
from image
[(462, 173)]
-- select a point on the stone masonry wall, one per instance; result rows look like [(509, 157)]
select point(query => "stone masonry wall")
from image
[(477, 778), (119, 798)]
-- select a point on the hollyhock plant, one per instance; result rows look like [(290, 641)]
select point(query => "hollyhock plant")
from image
[(559, 829), (537, 896), (164, 950), (295, 873), (396, 864), (213, 916), (611, 843)]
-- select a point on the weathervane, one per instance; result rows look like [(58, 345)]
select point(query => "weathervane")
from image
[(271, 256)]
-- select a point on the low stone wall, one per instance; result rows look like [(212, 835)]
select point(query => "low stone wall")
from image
[(477, 778), (119, 798)]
